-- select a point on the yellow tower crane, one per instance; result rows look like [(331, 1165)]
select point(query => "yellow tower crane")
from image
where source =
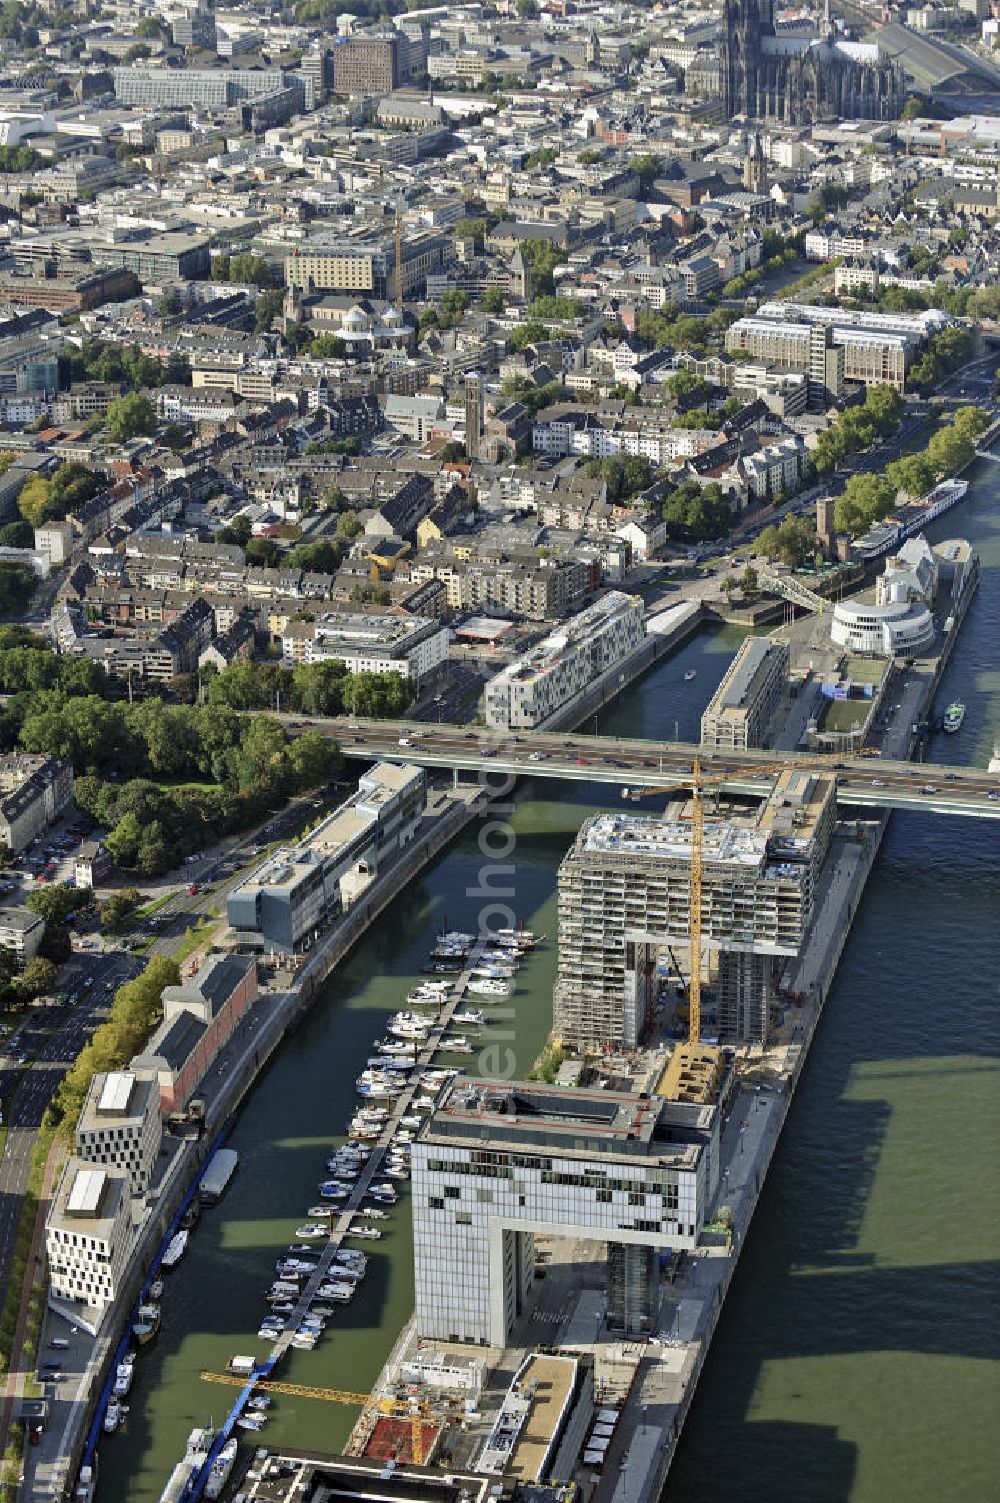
[(416, 1410), (697, 789)]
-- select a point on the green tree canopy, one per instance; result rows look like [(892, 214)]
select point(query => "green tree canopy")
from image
[(867, 499), (696, 513), (130, 416), (792, 542)]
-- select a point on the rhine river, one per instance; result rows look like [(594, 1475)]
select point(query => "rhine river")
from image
[(856, 1359)]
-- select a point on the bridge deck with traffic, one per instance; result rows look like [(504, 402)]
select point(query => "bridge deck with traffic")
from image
[(872, 782)]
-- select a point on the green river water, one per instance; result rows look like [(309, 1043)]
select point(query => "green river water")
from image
[(856, 1359)]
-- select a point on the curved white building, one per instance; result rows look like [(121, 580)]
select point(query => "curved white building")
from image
[(899, 628)]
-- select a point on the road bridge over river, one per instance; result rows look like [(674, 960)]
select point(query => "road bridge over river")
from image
[(863, 782)]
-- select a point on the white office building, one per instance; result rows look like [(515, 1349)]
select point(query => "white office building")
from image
[(899, 628), (287, 902), (499, 1162), (529, 690), (120, 1125), (88, 1234)]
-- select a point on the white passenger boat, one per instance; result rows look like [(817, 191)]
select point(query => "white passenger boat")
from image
[(221, 1468)]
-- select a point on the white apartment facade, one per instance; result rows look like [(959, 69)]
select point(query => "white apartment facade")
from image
[(412, 646), (525, 693), (287, 902), (34, 791), (21, 931)]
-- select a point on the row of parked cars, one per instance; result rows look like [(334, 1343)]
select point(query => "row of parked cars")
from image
[(56, 849)]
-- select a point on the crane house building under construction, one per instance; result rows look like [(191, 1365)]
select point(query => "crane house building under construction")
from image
[(624, 894)]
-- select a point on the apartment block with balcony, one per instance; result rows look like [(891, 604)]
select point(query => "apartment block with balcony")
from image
[(528, 691), (34, 791), (412, 646), (624, 894)]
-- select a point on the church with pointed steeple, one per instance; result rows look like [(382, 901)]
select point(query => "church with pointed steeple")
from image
[(797, 79)]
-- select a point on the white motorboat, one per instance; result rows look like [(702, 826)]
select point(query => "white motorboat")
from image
[(351, 1257), (124, 1373), (175, 1250), (410, 1027), (114, 1416), (522, 939), (366, 1233), (489, 986), (311, 1231), (470, 1018), (395, 1064), (341, 1291)]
